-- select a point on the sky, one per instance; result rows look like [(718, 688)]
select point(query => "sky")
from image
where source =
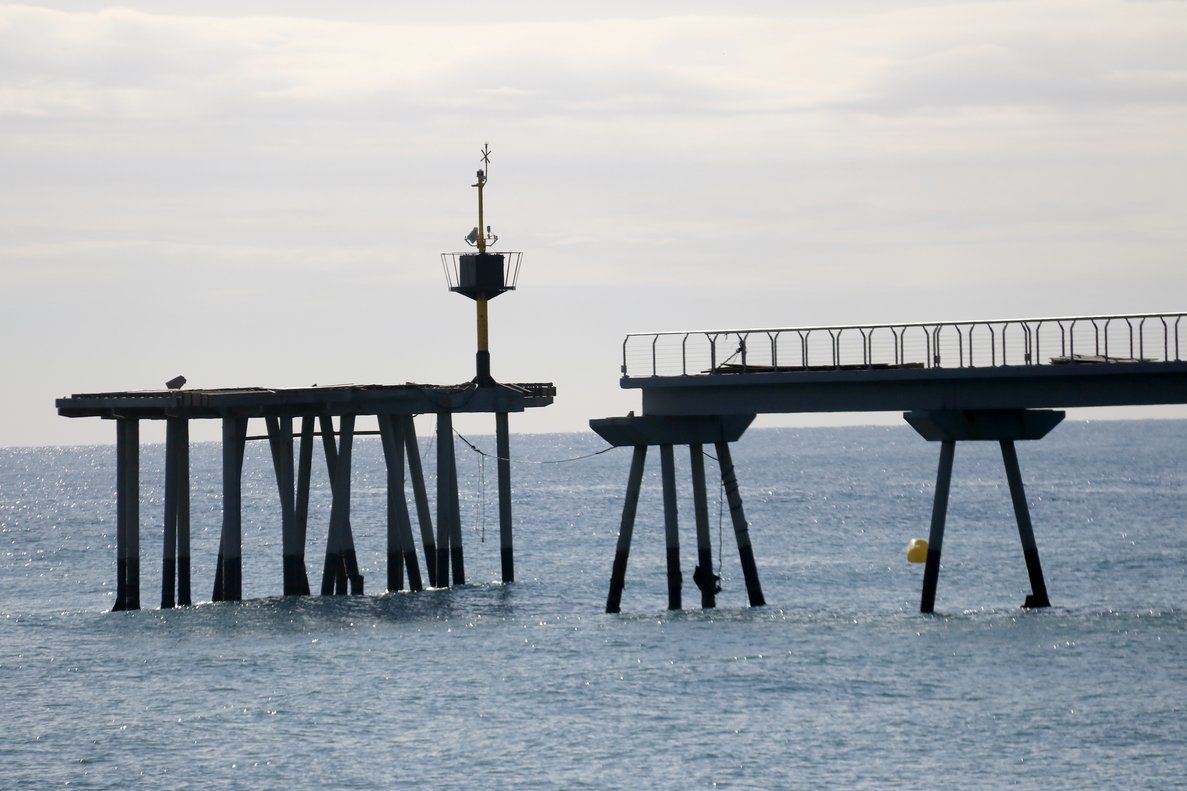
[(257, 192)]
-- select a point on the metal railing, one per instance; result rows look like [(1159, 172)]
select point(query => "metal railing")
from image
[(1151, 337), (511, 263)]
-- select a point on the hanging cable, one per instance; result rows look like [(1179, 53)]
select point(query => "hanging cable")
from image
[(483, 453)]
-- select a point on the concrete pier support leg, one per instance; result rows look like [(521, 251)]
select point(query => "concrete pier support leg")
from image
[(444, 493), (300, 573), (341, 562), (342, 477), (401, 547), (935, 538), (182, 440), (169, 556), (456, 559), (393, 458), (333, 576), (626, 529), (127, 506), (280, 441), (424, 515), (703, 576), (741, 528), (395, 552), (667, 466), (121, 537), (1030, 550), (503, 450), (403, 519), (229, 577)]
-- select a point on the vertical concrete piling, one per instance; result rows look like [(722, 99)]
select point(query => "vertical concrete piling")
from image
[(667, 466), (456, 559), (703, 576), (280, 441), (301, 502), (401, 547), (169, 534), (729, 482), (333, 577), (444, 494), (503, 451), (395, 545), (935, 538), (182, 439), (424, 515), (127, 529), (228, 584), (342, 564), (626, 529), (1030, 550)]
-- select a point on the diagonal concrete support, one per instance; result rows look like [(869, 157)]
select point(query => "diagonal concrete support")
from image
[(1004, 426)]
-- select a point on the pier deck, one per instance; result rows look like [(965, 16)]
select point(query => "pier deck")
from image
[(334, 400)]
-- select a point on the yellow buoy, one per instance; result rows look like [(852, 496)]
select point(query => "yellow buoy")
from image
[(917, 551)]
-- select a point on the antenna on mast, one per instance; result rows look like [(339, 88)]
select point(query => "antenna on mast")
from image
[(481, 237)]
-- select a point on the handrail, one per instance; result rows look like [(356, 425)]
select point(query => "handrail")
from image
[(943, 344)]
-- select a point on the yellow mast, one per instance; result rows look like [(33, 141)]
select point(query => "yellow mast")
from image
[(480, 303), (482, 183)]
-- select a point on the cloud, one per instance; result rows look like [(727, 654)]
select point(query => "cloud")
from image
[(128, 63)]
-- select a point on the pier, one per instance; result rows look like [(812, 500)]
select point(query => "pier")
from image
[(293, 420), (1001, 381)]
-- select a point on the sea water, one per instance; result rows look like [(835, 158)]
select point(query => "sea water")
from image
[(838, 681)]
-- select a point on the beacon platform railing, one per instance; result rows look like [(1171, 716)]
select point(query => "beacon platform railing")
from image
[(1068, 340), (451, 265)]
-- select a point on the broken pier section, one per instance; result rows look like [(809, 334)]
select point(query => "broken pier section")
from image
[(297, 417)]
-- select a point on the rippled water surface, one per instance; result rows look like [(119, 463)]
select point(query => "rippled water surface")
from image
[(839, 681)]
